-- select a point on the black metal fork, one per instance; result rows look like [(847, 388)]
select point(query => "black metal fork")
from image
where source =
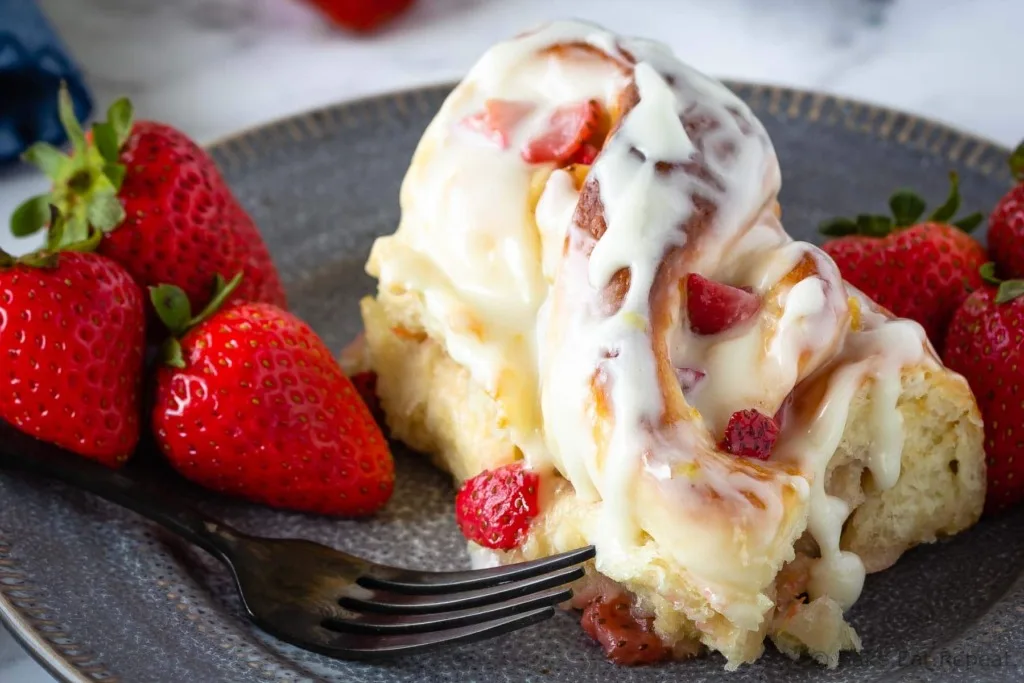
[(322, 599)]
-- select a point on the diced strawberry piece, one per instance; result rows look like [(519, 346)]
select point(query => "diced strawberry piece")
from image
[(570, 126), (498, 120), (625, 638), (494, 509), (585, 154), (688, 378), (714, 307), (366, 384), (750, 434)]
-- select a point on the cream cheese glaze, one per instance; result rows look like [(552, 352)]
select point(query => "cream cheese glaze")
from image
[(518, 295)]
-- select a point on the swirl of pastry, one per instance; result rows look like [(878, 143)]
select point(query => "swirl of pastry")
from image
[(537, 303), (685, 182)]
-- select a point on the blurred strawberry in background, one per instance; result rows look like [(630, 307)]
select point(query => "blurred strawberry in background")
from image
[(362, 16)]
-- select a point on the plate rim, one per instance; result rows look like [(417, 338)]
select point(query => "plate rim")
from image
[(68, 662)]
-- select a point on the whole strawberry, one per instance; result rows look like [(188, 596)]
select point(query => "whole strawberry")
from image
[(986, 345), (362, 16), (1006, 223), (166, 213), (494, 509), (71, 339), (250, 402), (918, 270)]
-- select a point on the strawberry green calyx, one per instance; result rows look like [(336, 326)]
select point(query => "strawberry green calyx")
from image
[(47, 257), (172, 307), (1017, 163), (36, 259), (84, 183), (1008, 289), (907, 209)]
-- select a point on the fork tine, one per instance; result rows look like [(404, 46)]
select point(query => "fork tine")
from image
[(425, 583), (365, 646), (362, 599), (416, 623)]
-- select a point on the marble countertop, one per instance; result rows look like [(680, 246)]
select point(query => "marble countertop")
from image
[(212, 67)]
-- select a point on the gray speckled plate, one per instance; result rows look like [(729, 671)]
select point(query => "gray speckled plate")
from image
[(99, 595)]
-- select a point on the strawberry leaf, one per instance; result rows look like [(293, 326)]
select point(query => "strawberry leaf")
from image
[(970, 222), (30, 217), (873, 226), (105, 138), (172, 307), (66, 113), (171, 354), (988, 273), (71, 229), (119, 118), (105, 211), (1009, 290), (115, 174), (838, 227), (47, 159), (949, 208), (89, 244), (907, 207), (1017, 162), (6, 260)]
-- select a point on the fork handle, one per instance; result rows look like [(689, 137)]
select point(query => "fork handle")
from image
[(44, 459)]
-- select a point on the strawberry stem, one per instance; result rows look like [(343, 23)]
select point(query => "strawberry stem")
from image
[(1016, 162), (221, 291)]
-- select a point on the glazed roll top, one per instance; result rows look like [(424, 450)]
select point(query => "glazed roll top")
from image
[(558, 217)]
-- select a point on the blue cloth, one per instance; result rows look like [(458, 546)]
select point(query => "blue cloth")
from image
[(33, 62)]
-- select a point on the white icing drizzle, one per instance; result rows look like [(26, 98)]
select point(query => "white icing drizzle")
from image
[(533, 327)]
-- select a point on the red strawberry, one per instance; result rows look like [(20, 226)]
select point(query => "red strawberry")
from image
[(586, 154), (498, 120), (750, 434), (625, 638), (362, 16), (921, 271), (713, 307), (71, 339), (986, 345), (166, 213), (1006, 224), (252, 403), (570, 127), (494, 509)]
